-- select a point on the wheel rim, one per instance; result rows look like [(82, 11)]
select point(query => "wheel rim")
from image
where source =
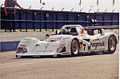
[(112, 44), (75, 47)]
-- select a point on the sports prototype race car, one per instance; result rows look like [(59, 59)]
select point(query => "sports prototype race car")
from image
[(71, 40)]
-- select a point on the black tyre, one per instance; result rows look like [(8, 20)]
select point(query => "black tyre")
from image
[(112, 44), (75, 47)]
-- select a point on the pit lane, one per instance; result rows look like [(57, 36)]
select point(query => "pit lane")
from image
[(80, 67)]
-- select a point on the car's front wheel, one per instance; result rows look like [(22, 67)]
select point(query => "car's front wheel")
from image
[(112, 44), (74, 47)]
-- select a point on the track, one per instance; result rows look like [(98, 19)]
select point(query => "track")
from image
[(80, 67)]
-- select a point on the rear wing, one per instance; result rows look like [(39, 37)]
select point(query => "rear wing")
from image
[(101, 27)]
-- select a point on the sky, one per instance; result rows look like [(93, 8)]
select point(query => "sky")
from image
[(86, 5)]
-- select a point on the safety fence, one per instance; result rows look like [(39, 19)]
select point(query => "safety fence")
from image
[(46, 19)]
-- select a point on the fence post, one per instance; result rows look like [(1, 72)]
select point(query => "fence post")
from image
[(52, 22), (57, 21), (46, 22), (33, 22), (26, 20), (87, 17), (111, 19), (20, 22), (103, 19), (40, 21)]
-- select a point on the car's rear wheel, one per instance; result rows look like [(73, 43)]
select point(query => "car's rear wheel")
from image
[(75, 47), (112, 44)]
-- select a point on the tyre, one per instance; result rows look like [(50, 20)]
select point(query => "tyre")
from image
[(112, 44), (75, 47)]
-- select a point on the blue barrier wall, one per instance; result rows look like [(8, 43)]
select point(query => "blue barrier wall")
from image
[(7, 46), (45, 19)]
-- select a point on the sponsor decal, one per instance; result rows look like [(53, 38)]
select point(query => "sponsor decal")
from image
[(97, 44)]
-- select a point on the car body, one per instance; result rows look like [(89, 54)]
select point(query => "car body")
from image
[(72, 40)]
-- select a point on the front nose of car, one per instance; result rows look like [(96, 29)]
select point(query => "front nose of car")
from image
[(21, 49)]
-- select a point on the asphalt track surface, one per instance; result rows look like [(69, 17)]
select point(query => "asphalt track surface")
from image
[(103, 66)]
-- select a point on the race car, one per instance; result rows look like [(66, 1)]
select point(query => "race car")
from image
[(71, 40)]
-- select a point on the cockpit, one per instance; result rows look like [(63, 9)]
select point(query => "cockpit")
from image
[(68, 31)]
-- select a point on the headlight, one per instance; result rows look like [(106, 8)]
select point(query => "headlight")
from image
[(21, 49), (61, 48)]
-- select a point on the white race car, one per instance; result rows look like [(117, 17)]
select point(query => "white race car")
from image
[(72, 40)]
